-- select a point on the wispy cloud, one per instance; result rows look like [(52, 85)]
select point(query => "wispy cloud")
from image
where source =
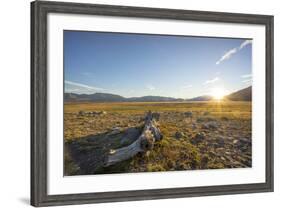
[(244, 76), (232, 51), (82, 85), (212, 81), (150, 87), (246, 81), (227, 55), (246, 42), (72, 90)]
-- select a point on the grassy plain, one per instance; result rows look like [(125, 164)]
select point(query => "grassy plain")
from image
[(217, 136)]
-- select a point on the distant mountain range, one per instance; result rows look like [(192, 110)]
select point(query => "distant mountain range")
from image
[(153, 99), (201, 98), (96, 97), (106, 97), (241, 95)]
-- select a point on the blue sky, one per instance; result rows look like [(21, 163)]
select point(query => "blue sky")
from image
[(133, 65)]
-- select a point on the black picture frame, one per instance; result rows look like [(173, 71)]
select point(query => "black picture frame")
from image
[(39, 12)]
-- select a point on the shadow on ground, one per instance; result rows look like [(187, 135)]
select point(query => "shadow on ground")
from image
[(86, 155)]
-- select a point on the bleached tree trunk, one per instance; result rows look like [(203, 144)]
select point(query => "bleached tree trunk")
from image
[(145, 141)]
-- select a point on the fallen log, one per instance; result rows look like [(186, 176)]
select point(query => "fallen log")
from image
[(145, 142)]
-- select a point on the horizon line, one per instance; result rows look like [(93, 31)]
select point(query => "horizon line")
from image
[(155, 95)]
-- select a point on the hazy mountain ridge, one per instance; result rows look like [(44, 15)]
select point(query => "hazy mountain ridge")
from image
[(153, 99), (201, 98), (106, 97), (96, 97), (241, 95)]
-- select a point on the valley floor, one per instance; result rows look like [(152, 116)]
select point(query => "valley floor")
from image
[(217, 135)]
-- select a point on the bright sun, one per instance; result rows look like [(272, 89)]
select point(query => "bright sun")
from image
[(218, 93)]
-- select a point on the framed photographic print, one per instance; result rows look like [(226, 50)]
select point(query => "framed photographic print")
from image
[(131, 103)]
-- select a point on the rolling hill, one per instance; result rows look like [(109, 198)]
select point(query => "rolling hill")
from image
[(241, 95)]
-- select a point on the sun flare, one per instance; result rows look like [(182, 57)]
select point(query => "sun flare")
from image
[(218, 93)]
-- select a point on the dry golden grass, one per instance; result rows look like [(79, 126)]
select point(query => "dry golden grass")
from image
[(233, 120)]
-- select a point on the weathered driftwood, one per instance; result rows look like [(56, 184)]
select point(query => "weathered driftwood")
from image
[(145, 141)]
